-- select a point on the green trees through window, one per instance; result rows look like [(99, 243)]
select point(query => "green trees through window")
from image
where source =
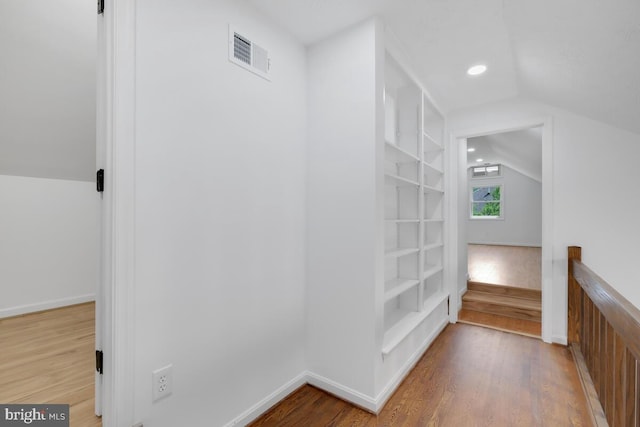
[(486, 202)]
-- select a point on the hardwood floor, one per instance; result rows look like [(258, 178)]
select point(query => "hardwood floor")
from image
[(470, 376), (516, 266), (49, 357)]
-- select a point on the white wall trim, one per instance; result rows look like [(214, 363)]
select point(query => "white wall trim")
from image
[(397, 379), (268, 402), (453, 189), (460, 295), (524, 244), (46, 305), (343, 392), (119, 213), (558, 339)]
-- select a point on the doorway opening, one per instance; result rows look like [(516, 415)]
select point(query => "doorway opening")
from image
[(504, 231), (493, 208)]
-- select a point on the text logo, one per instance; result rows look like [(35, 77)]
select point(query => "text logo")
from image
[(48, 415)]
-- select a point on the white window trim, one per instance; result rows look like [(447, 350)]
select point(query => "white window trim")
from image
[(487, 218)]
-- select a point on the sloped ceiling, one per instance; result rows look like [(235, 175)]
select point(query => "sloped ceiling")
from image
[(581, 55), (520, 150)]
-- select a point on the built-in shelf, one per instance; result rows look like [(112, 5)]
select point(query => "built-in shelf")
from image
[(399, 181), (396, 154), (433, 220), (431, 246), (395, 287), (430, 144), (432, 168), (400, 252), (403, 221), (414, 173), (431, 270), (432, 190), (407, 321)]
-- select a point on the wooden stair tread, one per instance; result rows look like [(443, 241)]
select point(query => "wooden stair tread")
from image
[(525, 327), (502, 300), (504, 290)]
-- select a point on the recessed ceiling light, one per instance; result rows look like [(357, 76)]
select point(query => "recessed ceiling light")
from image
[(477, 70), (471, 149), (479, 160)]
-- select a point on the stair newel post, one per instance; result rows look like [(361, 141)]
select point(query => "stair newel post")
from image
[(574, 297)]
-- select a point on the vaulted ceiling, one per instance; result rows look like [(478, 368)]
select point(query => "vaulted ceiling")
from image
[(520, 150), (581, 55)]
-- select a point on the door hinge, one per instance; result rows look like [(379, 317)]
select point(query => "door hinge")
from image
[(100, 180), (100, 7), (99, 357)]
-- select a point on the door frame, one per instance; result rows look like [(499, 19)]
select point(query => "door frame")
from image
[(116, 132), (457, 223)]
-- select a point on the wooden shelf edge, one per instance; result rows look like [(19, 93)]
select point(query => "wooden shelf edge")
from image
[(432, 142), (429, 189), (433, 246), (410, 157), (433, 270), (399, 181), (399, 252), (396, 334), (403, 286), (433, 168)]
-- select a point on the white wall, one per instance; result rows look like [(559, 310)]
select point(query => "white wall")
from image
[(521, 224), (220, 213), (341, 208), (48, 87), (48, 223), (48, 243), (595, 178)]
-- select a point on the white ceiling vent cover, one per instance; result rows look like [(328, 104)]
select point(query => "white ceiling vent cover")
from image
[(244, 52)]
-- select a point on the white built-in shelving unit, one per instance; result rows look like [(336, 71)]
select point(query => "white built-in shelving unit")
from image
[(414, 201)]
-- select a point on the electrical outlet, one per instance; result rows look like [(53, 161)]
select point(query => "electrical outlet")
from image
[(162, 380)]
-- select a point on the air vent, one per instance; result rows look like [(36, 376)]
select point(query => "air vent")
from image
[(247, 54), (486, 171)]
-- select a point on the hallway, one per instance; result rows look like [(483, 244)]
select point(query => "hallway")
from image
[(470, 376)]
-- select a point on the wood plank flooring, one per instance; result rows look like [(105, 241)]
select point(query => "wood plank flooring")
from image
[(470, 376), (501, 323), (49, 357), (516, 266)]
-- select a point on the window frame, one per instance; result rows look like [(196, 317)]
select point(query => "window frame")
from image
[(487, 174), (486, 217)]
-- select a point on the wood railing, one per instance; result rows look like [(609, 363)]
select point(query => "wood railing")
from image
[(604, 329)]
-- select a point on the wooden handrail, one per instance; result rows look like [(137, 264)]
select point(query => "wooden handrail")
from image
[(604, 327)]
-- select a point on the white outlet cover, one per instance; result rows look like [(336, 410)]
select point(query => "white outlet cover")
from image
[(162, 382)]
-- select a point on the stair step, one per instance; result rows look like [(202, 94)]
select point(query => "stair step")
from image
[(505, 290), (504, 305)]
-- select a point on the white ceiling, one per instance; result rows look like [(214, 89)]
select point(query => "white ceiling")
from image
[(520, 150), (581, 55)]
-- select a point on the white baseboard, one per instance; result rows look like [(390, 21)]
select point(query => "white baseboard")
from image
[(460, 295), (46, 305), (343, 392), (265, 404), (559, 339), (393, 385), (528, 245), (354, 397)]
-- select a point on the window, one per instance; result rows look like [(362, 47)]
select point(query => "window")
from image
[(487, 171), (486, 202)]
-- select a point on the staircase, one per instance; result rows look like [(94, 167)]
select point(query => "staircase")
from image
[(505, 301)]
